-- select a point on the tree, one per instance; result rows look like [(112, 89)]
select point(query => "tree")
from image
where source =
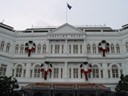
[(7, 85), (122, 86)]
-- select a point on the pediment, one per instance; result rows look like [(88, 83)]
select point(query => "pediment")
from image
[(67, 29)]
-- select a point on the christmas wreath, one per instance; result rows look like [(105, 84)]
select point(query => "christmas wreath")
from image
[(86, 68), (29, 47), (103, 47), (46, 67)]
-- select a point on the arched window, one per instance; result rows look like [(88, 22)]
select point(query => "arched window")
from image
[(112, 48), (19, 70), (22, 49), (2, 45), (117, 48), (37, 71), (88, 48), (127, 46), (115, 73), (3, 68), (44, 48), (95, 71), (39, 48), (94, 48), (16, 48), (8, 47)]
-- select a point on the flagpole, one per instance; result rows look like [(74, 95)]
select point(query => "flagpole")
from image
[(66, 14)]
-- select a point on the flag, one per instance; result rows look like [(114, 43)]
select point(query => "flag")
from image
[(69, 6)]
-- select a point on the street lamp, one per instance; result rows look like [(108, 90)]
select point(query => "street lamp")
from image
[(96, 90)]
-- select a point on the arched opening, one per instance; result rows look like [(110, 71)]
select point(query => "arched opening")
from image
[(19, 71), (95, 71), (115, 71)]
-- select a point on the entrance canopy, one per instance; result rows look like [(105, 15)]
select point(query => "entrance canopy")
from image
[(66, 86)]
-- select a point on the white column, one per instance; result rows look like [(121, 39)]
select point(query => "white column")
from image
[(97, 49), (19, 49), (9, 70), (105, 72), (35, 49), (4, 49), (27, 75), (33, 73), (99, 73), (72, 75), (65, 47), (47, 47), (78, 48), (15, 72), (111, 73), (125, 69), (41, 50), (115, 49), (12, 48), (53, 51), (22, 74), (91, 49), (123, 49), (60, 50), (79, 73), (65, 71), (119, 72), (84, 49), (59, 72), (72, 49)]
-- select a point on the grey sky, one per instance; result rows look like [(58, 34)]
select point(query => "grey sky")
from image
[(22, 14)]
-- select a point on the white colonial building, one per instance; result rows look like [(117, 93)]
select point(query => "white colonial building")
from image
[(66, 48)]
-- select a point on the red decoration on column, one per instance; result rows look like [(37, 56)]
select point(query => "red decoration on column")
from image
[(45, 69), (86, 71), (30, 46), (103, 47)]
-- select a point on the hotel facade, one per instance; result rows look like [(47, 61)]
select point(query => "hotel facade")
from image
[(67, 48)]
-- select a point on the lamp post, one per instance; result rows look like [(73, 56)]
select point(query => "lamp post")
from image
[(96, 90)]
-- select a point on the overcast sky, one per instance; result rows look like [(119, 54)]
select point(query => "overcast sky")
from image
[(22, 14)]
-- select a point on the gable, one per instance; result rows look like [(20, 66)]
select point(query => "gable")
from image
[(67, 29)]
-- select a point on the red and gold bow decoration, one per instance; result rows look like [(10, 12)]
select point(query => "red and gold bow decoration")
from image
[(46, 67), (103, 47), (86, 68), (29, 47)]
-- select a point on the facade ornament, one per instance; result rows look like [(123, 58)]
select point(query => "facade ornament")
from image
[(29, 47), (103, 47), (86, 68), (45, 68)]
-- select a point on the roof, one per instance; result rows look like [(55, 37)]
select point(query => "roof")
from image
[(6, 27)]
